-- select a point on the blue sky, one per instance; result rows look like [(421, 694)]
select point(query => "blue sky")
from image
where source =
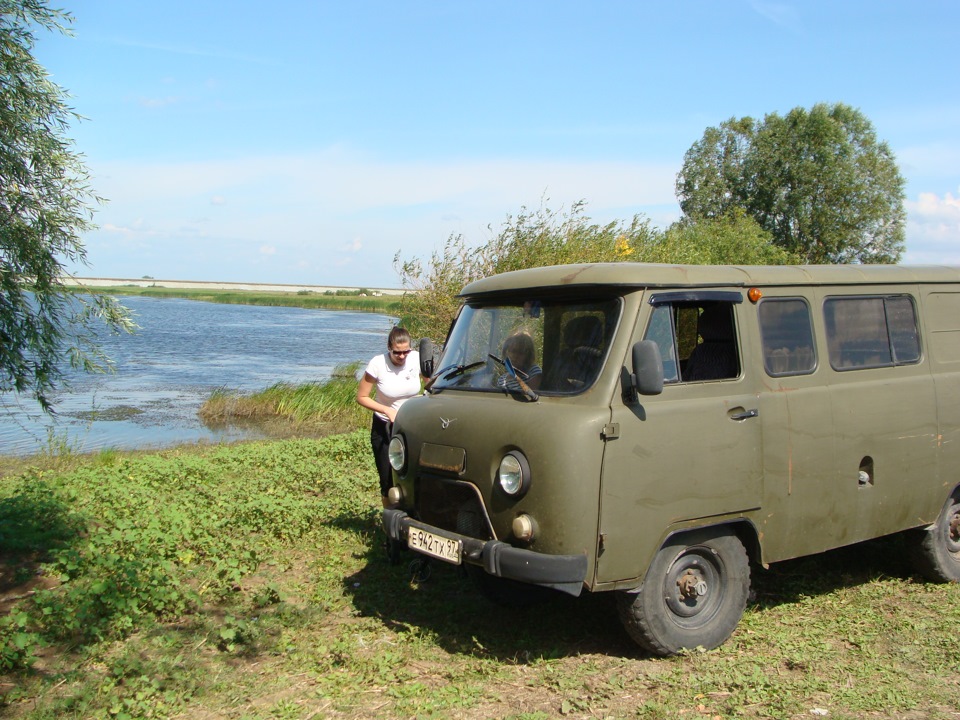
[(310, 142)]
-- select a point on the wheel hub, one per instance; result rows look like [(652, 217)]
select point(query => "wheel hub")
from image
[(953, 532), (691, 585)]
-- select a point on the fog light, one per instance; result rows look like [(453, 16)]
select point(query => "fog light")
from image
[(395, 495), (524, 527)]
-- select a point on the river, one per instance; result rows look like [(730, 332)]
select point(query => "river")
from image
[(183, 351)]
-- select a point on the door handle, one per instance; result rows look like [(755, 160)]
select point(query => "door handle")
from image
[(743, 415)]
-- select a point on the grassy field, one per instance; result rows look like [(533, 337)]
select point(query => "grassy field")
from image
[(386, 304), (249, 581)]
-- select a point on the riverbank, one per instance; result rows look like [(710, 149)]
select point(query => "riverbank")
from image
[(95, 282), (354, 300)]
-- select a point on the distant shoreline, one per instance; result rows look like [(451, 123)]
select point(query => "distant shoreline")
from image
[(97, 282)]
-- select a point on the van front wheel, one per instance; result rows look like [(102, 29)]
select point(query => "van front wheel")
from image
[(693, 595), (937, 548)]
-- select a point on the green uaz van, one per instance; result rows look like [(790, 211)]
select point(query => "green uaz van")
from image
[(652, 430)]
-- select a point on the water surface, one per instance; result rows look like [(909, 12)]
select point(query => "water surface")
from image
[(183, 351)]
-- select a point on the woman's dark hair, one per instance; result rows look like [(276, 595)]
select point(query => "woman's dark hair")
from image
[(398, 335)]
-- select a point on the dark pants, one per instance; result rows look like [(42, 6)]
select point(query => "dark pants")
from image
[(380, 442)]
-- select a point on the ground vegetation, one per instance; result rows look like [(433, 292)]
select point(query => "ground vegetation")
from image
[(251, 581)]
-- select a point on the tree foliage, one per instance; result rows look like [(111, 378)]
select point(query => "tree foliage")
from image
[(533, 238), (45, 206), (818, 181)]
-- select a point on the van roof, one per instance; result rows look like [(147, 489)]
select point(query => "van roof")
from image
[(637, 275)]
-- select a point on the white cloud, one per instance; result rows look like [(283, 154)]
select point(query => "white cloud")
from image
[(309, 209), (159, 102), (268, 250), (778, 13), (933, 229), (933, 161)]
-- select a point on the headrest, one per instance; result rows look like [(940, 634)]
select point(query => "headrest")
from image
[(583, 330), (715, 324)]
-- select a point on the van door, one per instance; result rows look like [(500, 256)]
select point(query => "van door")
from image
[(691, 453), (884, 413), (850, 423)]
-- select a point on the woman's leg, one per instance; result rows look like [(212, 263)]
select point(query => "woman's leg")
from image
[(380, 443)]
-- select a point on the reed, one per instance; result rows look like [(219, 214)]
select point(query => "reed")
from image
[(330, 402)]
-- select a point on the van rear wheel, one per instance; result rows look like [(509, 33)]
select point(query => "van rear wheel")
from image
[(936, 549), (693, 595)]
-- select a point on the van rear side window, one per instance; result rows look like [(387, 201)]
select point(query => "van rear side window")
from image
[(871, 332), (787, 333)]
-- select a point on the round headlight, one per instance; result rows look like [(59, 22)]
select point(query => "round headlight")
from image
[(397, 452), (514, 474)]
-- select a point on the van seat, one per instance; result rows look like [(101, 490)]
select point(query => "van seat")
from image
[(716, 357), (579, 359)]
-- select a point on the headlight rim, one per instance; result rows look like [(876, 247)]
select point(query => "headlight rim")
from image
[(524, 472), (392, 453)]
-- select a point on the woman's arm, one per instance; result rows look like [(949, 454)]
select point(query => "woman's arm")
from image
[(367, 383)]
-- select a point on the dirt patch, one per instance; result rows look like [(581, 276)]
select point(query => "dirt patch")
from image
[(20, 580)]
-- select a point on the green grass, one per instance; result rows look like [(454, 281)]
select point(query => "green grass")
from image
[(249, 581)]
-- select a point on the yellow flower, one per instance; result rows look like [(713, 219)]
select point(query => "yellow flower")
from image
[(622, 246)]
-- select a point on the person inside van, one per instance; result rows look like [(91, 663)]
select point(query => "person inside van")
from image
[(519, 348)]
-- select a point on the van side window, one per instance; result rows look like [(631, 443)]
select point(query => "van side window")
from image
[(697, 340), (787, 334), (870, 332)]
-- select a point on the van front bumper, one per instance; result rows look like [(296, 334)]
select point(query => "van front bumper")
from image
[(565, 573)]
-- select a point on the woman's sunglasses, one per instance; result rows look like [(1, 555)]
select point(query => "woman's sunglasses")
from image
[(400, 353)]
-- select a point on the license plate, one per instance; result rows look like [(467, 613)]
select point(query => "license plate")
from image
[(434, 545)]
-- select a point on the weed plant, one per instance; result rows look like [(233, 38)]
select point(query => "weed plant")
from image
[(250, 581)]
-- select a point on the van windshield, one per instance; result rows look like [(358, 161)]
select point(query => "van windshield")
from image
[(554, 346)]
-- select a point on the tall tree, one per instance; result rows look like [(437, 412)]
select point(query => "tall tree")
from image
[(45, 205), (818, 181)]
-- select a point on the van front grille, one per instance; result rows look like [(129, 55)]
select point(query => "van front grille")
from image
[(452, 505)]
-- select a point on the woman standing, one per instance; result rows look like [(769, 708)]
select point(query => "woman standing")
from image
[(396, 376)]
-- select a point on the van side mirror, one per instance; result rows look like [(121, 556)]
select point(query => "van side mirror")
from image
[(426, 357), (647, 377)]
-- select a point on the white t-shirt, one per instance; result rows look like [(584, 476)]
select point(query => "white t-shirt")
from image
[(395, 384)]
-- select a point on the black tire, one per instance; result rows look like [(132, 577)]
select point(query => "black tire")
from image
[(693, 595), (936, 549)]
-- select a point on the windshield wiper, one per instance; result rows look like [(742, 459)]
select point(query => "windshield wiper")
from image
[(461, 369), (450, 372)]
